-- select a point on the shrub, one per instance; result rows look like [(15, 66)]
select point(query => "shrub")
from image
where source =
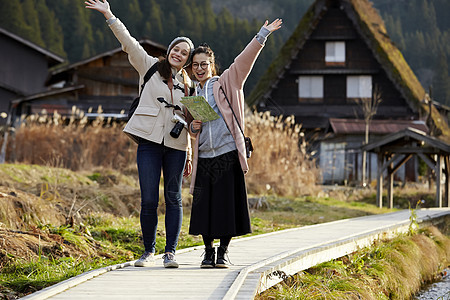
[(279, 164)]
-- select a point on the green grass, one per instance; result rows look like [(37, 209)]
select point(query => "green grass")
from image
[(392, 269), (291, 212), (29, 276), (104, 239)]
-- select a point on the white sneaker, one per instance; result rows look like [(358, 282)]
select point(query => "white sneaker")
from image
[(170, 261), (147, 259)]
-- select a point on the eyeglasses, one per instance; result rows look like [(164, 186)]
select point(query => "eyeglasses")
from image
[(202, 65)]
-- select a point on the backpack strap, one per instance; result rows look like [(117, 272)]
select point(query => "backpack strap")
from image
[(149, 74), (136, 101)]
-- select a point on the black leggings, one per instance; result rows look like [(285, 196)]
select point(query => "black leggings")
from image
[(209, 241)]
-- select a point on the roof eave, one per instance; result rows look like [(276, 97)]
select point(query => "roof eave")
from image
[(52, 58), (101, 55), (281, 63)]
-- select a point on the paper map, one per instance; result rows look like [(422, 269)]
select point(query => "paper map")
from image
[(199, 108)]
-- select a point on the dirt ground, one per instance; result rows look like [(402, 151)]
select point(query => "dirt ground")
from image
[(23, 234), (35, 244), (28, 204), (29, 245), (29, 207)]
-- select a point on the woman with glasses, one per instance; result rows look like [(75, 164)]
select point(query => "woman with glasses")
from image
[(220, 208), (151, 127)]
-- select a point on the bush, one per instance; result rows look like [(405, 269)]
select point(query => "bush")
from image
[(279, 165)]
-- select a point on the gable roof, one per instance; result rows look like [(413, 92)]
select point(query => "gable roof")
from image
[(56, 73), (52, 58), (408, 141), (44, 94), (370, 26)]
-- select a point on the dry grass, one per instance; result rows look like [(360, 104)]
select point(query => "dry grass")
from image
[(391, 269), (17, 214), (32, 195), (279, 165), (76, 143)]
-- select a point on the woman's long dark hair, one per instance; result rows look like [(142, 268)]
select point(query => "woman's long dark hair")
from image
[(164, 68)]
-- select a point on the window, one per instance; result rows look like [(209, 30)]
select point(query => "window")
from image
[(359, 87), (310, 87), (335, 52)]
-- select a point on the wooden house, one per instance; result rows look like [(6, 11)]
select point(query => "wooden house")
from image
[(340, 154), (338, 59), (104, 84), (23, 68)]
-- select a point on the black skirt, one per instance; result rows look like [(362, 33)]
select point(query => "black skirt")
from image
[(220, 207)]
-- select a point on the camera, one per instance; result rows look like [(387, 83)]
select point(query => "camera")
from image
[(179, 124)]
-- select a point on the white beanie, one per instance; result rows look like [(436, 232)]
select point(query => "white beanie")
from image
[(182, 39)]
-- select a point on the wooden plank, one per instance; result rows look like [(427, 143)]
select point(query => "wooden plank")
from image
[(295, 248)]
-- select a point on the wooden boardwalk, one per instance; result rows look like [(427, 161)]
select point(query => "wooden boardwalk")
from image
[(256, 261)]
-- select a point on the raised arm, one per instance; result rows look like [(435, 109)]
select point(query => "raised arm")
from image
[(100, 6), (137, 56), (239, 70)]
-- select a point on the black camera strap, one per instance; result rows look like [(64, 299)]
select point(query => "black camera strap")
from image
[(242, 131), (162, 100)]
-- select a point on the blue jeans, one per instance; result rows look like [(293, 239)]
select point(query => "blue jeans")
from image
[(151, 158)]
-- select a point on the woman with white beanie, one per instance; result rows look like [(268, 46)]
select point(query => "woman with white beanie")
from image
[(160, 145)]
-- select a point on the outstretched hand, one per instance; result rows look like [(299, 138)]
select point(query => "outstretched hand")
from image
[(275, 25), (101, 6)]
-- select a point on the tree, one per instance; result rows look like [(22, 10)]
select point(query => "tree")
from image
[(394, 26), (184, 18), (154, 25), (133, 17), (11, 17), (33, 29), (78, 37), (226, 33), (170, 27), (51, 31), (369, 107), (205, 13), (441, 81), (429, 23)]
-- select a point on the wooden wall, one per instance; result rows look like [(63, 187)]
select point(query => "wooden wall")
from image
[(360, 60), (23, 71)]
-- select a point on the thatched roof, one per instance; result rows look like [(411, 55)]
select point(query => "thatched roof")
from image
[(370, 26)]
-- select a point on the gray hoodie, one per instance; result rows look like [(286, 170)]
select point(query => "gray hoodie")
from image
[(215, 138)]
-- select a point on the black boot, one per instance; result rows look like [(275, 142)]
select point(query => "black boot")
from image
[(208, 260), (221, 261)]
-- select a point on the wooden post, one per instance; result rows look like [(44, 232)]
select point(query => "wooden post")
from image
[(380, 181), (390, 172), (439, 163), (447, 179)]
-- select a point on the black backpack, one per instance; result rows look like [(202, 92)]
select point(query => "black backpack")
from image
[(147, 76)]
